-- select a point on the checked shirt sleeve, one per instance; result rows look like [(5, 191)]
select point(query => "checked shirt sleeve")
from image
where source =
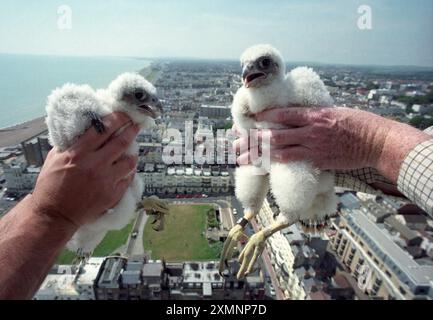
[(415, 178)]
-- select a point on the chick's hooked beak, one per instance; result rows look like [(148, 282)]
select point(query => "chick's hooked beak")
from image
[(156, 105), (251, 75), (148, 104)]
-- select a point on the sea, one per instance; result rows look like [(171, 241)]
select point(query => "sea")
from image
[(27, 80)]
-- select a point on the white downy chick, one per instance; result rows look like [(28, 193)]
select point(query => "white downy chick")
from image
[(72, 109), (302, 192)]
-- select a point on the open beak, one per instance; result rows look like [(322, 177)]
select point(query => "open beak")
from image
[(250, 75), (152, 108)]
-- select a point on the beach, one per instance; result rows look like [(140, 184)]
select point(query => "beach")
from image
[(23, 73), (21, 132)]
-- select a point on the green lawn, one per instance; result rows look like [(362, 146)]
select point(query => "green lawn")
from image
[(183, 236), (65, 257), (112, 241)]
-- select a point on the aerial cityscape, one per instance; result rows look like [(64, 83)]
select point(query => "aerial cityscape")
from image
[(378, 247)]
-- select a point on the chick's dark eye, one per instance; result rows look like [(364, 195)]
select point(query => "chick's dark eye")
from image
[(265, 63), (139, 95)]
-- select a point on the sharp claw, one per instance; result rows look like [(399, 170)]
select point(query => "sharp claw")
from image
[(96, 121)]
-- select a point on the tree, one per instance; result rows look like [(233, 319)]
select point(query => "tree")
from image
[(421, 123)]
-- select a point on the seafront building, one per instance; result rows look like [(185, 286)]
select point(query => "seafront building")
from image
[(375, 252), (137, 278)]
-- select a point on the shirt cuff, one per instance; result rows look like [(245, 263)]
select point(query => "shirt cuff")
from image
[(415, 179)]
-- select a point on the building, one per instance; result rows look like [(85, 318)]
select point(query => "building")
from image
[(107, 282), (119, 278), (149, 153), (282, 257), (85, 280), (19, 179), (58, 287), (36, 150), (376, 259), (153, 276), (215, 111), (186, 180)]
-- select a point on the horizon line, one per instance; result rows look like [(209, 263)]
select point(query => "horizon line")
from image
[(186, 58)]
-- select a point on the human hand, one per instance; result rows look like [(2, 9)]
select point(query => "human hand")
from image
[(78, 185), (338, 139)]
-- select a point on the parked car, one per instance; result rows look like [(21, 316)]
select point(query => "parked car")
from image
[(272, 290)]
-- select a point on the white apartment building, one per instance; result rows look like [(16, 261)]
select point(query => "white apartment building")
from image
[(282, 257), (71, 283), (188, 180), (20, 179), (86, 278), (58, 287), (215, 111), (382, 267)]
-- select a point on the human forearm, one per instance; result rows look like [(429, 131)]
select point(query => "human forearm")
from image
[(30, 241), (400, 140)]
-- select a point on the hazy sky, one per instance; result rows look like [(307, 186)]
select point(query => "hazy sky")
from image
[(319, 31)]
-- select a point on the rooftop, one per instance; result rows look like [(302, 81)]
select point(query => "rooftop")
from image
[(152, 269), (111, 271), (89, 271), (399, 261)]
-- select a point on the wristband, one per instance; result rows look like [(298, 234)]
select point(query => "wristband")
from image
[(242, 222)]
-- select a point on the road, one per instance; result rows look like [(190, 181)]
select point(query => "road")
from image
[(135, 244)]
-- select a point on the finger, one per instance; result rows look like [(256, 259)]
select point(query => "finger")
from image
[(124, 167), (249, 158), (243, 159), (243, 144), (297, 117), (236, 130), (118, 145), (121, 187), (295, 153), (279, 137), (92, 140)]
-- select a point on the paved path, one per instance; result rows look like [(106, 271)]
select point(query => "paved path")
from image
[(135, 245)]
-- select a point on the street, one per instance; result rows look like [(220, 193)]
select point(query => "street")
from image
[(135, 244)]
